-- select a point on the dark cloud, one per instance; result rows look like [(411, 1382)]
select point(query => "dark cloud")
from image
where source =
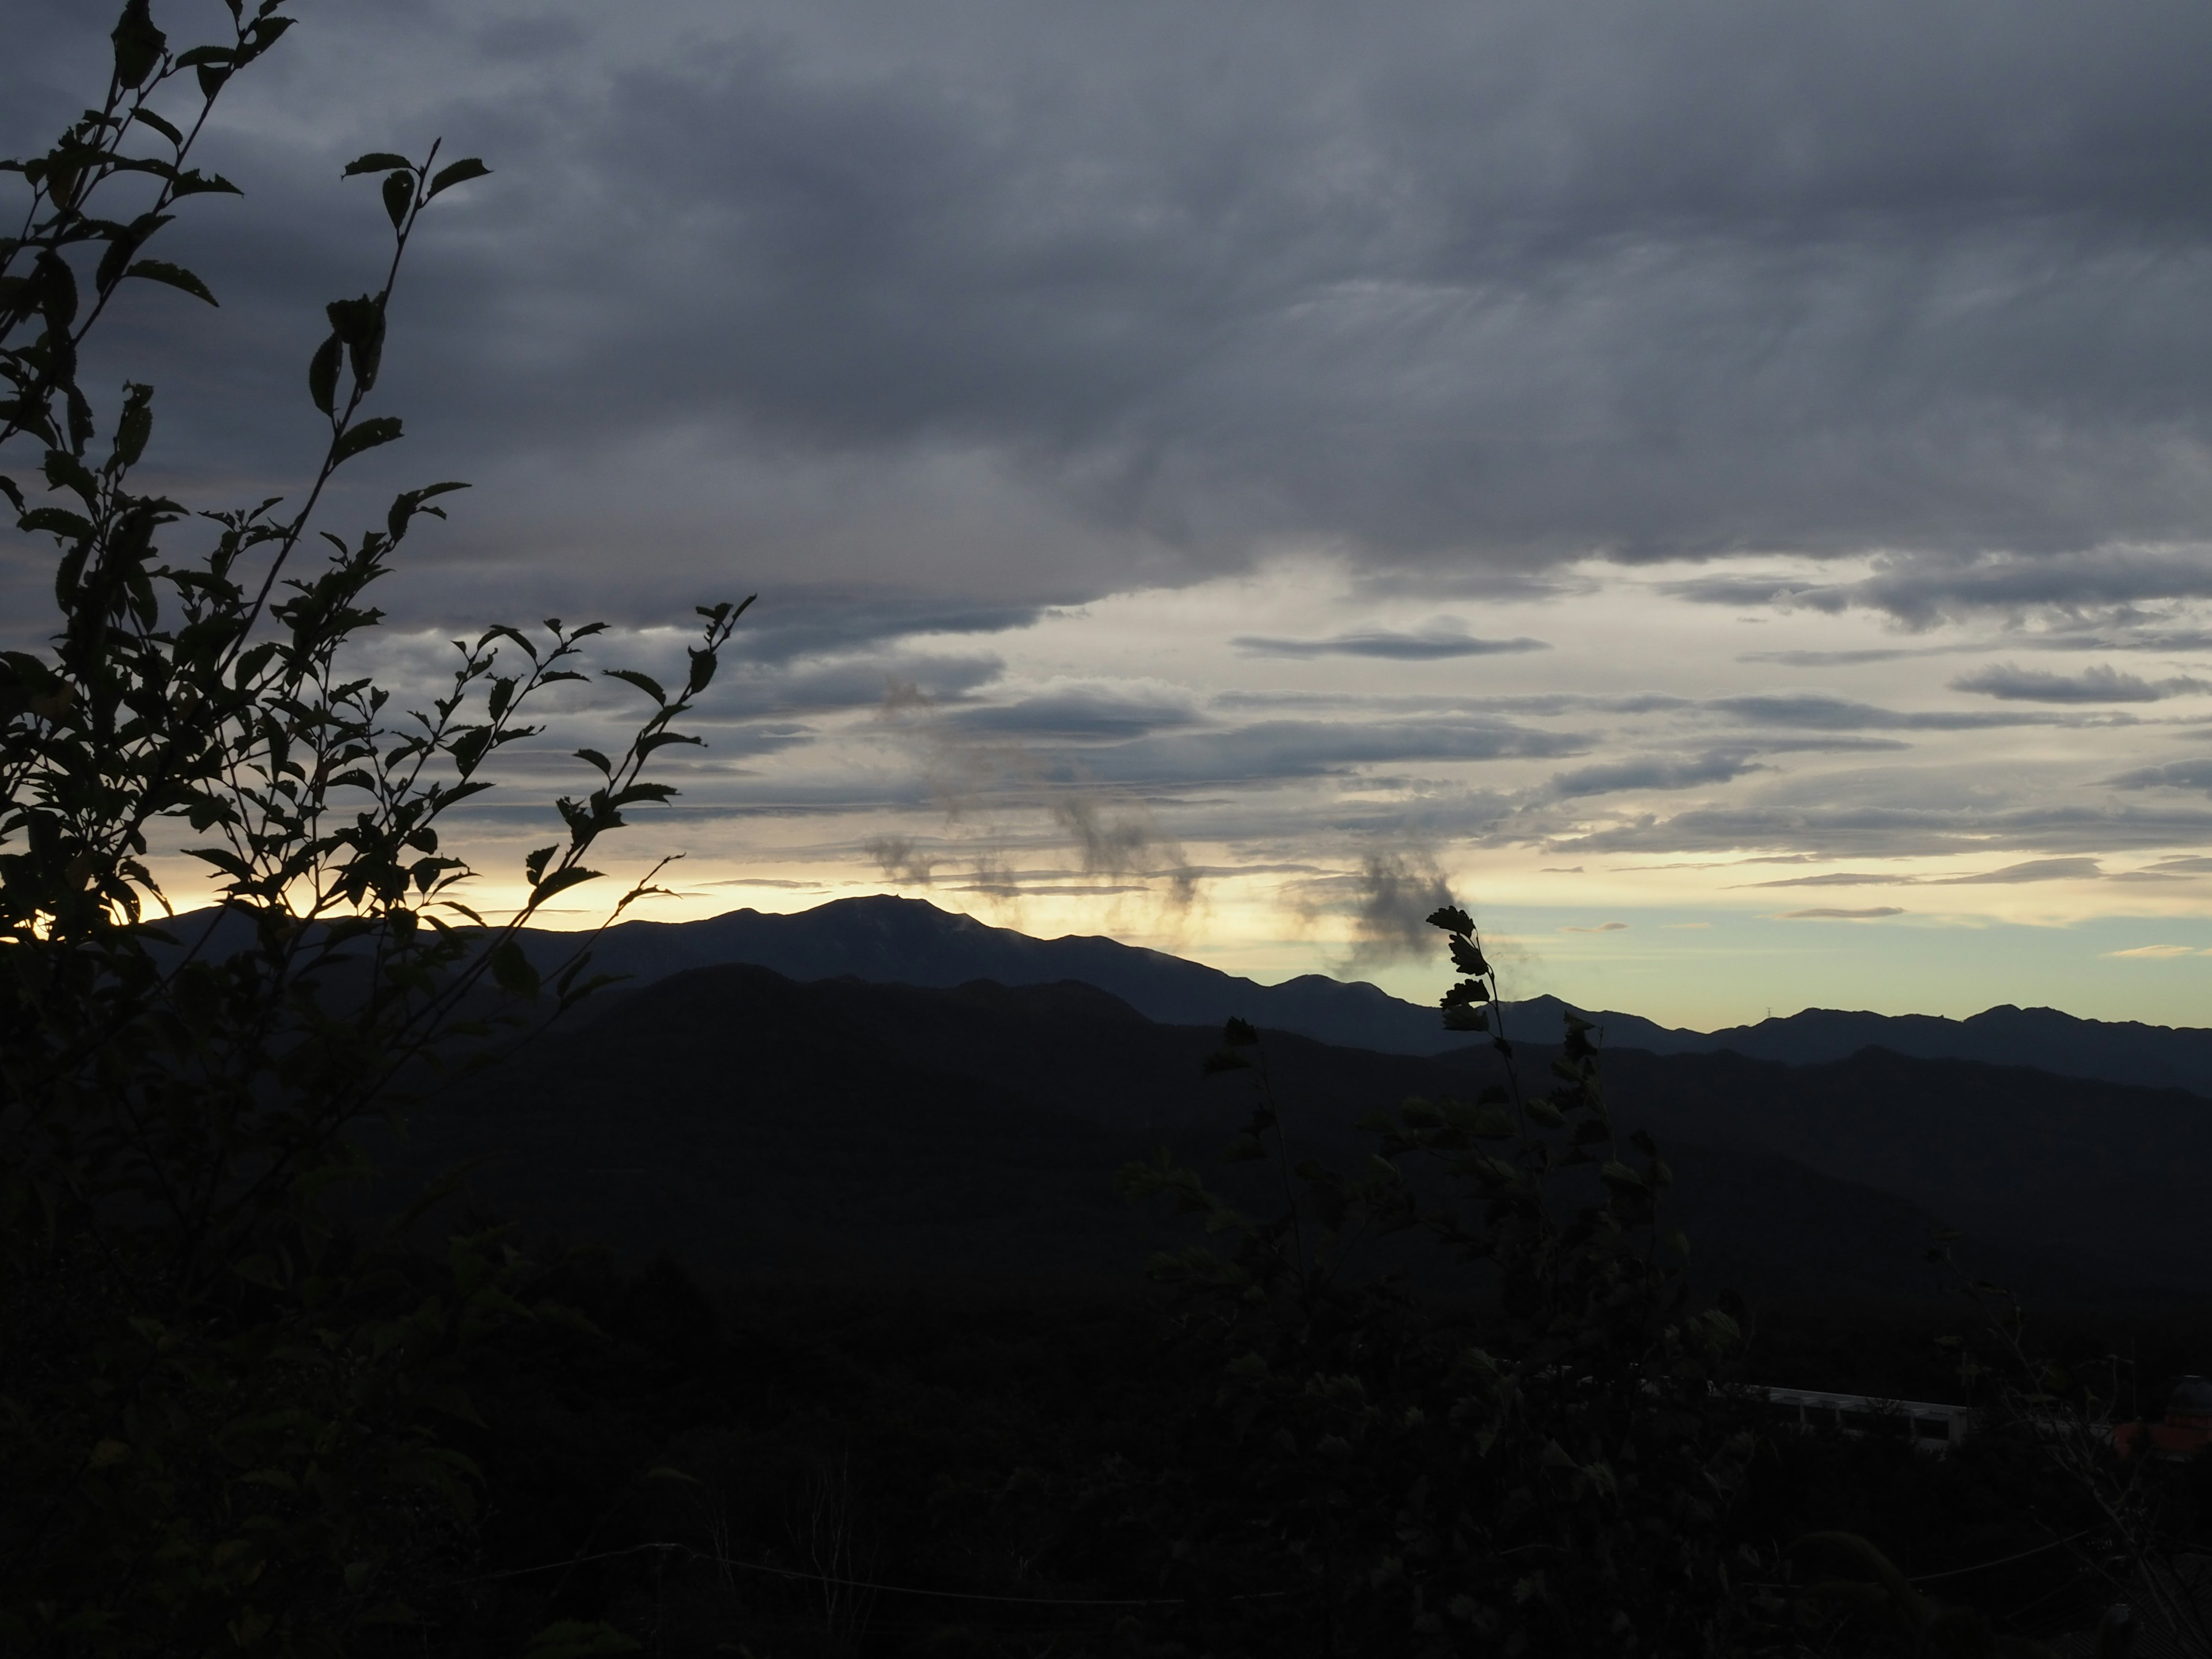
[(1401, 646), (1078, 713), (1124, 841), (2099, 685), (1860, 829), (1436, 286), (793, 623), (1602, 927), (1270, 750), (2142, 636), (2174, 774), (2140, 639), (1394, 896), (1820, 712), (1653, 772), (901, 860), (925, 325), (2099, 584), (757, 690)]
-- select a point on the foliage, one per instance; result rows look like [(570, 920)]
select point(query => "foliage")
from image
[(1542, 1464), (216, 1411), (2129, 1517), (1857, 1602)]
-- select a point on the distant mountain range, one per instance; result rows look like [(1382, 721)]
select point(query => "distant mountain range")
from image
[(2113, 1051), (891, 940)]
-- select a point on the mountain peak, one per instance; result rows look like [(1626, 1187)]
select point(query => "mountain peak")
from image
[(889, 939)]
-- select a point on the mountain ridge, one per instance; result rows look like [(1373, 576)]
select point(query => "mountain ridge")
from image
[(887, 938)]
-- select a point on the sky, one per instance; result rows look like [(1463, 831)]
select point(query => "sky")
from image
[(1723, 491)]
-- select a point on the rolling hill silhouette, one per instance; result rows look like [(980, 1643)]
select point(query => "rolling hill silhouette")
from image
[(752, 1124), (887, 939), (893, 940)]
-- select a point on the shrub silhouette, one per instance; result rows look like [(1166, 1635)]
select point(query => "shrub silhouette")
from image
[(218, 1415), (1542, 1463)]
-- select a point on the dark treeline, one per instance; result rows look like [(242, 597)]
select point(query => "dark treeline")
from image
[(1016, 1441)]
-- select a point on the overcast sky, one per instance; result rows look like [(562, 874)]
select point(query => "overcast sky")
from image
[(1721, 489)]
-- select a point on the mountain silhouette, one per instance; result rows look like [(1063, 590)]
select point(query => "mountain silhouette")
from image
[(892, 940)]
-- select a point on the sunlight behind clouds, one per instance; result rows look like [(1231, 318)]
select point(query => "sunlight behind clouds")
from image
[(1197, 462)]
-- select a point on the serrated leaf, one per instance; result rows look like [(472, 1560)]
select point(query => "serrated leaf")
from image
[(644, 683), (139, 44), (161, 270), (135, 426), (1467, 956), (56, 520), (64, 472), (377, 160), (559, 882), (199, 184)]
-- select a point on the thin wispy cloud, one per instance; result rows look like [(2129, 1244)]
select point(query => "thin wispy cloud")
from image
[(1428, 645), (1656, 772), (2074, 869), (2067, 869), (1392, 895)]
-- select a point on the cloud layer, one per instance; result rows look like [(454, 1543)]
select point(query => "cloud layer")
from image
[(1450, 289), (1559, 443)]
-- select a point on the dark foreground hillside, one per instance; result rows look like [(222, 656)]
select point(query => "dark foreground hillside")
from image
[(876, 1372), (751, 1125), (994, 1460)]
